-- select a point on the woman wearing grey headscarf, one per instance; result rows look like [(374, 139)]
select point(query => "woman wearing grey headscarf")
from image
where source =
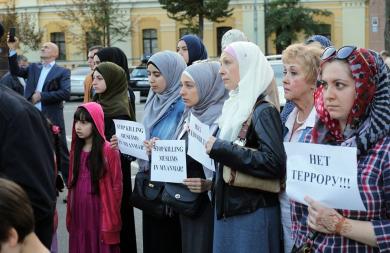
[(203, 93), (163, 111)]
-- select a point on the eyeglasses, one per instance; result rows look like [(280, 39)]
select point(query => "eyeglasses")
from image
[(342, 54)]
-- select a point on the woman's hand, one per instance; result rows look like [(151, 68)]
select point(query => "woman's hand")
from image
[(149, 144), (114, 142), (209, 144), (197, 185), (325, 220)]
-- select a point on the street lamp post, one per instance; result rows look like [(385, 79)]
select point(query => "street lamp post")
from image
[(265, 25)]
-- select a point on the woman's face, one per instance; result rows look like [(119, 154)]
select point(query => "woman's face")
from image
[(98, 82), (339, 90), (230, 71), (183, 50), (156, 79), (294, 82), (96, 60), (188, 91)]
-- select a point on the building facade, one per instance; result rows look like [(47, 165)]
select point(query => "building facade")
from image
[(152, 30)]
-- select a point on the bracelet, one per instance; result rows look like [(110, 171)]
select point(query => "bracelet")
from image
[(339, 225)]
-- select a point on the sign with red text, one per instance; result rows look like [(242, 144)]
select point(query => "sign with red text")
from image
[(326, 173)]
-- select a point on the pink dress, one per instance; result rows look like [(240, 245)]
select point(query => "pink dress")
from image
[(84, 231)]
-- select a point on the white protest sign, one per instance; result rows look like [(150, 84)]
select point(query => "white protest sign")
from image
[(197, 138), (131, 136), (324, 172), (169, 161)]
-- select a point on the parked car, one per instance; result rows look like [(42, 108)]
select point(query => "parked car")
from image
[(277, 66), (139, 80), (77, 76)]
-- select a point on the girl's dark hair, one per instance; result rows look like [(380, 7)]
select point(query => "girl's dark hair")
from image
[(95, 161), (15, 211)]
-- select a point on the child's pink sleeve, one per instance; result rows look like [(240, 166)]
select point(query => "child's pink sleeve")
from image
[(116, 174)]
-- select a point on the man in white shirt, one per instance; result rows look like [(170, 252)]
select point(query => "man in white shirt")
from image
[(47, 87)]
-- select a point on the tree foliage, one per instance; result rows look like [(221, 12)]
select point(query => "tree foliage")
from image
[(99, 20), (26, 31), (191, 13), (287, 18)]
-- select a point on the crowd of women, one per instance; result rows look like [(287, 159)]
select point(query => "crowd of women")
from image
[(335, 97)]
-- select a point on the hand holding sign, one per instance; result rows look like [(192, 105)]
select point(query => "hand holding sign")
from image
[(198, 185), (114, 142), (149, 144), (325, 220), (210, 143)]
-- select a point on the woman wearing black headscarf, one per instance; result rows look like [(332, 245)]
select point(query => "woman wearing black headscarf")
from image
[(112, 96), (117, 56), (191, 48)]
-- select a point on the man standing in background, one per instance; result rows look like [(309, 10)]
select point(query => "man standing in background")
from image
[(47, 88)]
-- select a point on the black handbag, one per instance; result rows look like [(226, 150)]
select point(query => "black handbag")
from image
[(147, 195), (182, 200)]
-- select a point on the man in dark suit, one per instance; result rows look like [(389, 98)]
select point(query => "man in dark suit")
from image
[(47, 87)]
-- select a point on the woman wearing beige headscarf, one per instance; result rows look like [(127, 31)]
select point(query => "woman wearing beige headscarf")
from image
[(247, 220), (235, 35)]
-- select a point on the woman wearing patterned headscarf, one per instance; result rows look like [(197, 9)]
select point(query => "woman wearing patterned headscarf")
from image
[(117, 56), (203, 93), (247, 220), (163, 111), (191, 48), (110, 84), (353, 106)]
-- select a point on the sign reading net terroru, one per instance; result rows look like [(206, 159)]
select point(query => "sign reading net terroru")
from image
[(169, 161), (131, 136), (324, 172), (197, 138)]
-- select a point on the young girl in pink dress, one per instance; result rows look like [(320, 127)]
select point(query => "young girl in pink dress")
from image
[(95, 186)]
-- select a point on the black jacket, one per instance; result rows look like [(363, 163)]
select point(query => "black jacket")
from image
[(13, 83), (26, 152), (269, 162)]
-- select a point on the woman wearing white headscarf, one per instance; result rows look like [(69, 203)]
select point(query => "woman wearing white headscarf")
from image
[(231, 36), (203, 93), (247, 220), (163, 111)]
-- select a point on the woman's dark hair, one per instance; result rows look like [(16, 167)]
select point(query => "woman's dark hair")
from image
[(15, 211), (95, 160), (150, 62)]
